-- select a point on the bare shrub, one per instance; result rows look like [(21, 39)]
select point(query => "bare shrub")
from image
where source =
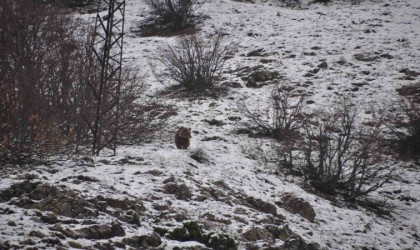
[(331, 149), (285, 116), (36, 53), (292, 3), (193, 63), (79, 3), (177, 14), (403, 120), (336, 154), (48, 85), (140, 116), (200, 155)]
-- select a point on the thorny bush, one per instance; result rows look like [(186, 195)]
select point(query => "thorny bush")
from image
[(403, 120), (284, 117), (177, 14), (195, 64), (336, 154), (331, 149), (48, 83)]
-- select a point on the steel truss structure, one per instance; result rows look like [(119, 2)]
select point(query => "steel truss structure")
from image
[(107, 46)]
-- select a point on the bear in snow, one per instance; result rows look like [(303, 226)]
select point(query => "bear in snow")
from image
[(182, 138)]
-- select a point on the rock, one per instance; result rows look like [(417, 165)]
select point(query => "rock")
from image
[(49, 218), (314, 71), (86, 178), (104, 246), (311, 53), (67, 203), (272, 220), (28, 242), (23, 201), (51, 241), (124, 204), (11, 223), (280, 232), (257, 233), (409, 90), (65, 231), (36, 234), (323, 65), (365, 57), (144, 241), (181, 192), (192, 231), (17, 190), (294, 243), (42, 191), (263, 75), (409, 72), (214, 122), (101, 231), (234, 85), (221, 241), (170, 179), (212, 217), (387, 56), (257, 52), (154, 172), (75, 244), (299, 206), (211, 192), (251, 83), (61, 202), (261, 205), (222, 184), (131, 217)]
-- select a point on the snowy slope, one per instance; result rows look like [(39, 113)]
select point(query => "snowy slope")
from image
[(295, 41)]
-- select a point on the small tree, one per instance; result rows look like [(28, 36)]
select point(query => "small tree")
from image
[(403, 120), (335, 153), (195, 64), (176, 14), (285, 116), (48, 82)]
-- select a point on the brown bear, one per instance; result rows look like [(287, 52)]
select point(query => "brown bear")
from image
[(182, 138)]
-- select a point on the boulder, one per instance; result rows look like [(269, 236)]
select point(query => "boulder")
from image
[(101, 231), (256, 234), (143, 241), (261, 205), (296, 205), (181, 191)]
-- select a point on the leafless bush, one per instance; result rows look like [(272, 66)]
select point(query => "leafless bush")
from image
[(193, 63), (284, 119), (36, 52), (336, 154), (291, 3), (403, 120), (79, 3), (176, 14), (200, 155), (48, 83), (140, 116)]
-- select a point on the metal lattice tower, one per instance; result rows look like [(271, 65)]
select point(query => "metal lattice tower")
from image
[(108, 48)]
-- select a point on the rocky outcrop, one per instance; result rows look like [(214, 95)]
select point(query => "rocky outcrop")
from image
[(256, 234), (181, 191), (296, 205), (143, 241)]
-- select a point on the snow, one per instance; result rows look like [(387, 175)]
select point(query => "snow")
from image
[(340, 29)]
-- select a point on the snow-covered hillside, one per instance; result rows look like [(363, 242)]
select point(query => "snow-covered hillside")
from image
[(154, 196)]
